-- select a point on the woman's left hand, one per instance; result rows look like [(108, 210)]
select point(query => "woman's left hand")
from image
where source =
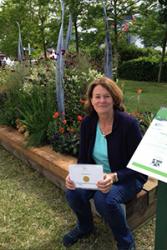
[(105, 184)]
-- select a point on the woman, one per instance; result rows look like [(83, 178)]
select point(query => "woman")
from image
[(109, 136)]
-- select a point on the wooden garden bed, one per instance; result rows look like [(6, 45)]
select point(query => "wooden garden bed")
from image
[(54, 166)]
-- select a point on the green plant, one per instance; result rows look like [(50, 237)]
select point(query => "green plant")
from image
[(142, 69), (63, 133), (35, 109), (11, 84), (29, 95), (144, 119), (76, 82)]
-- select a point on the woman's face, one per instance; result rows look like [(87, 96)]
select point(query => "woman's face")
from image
[(102, 100)]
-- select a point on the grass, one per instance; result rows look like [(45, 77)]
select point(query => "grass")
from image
[(153, 95), (34, 214)]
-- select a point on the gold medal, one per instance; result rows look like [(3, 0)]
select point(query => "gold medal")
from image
[(86, 178)]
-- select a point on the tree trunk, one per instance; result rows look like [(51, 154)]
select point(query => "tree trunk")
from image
[(162, 56), (43, 43), (76, 36), (42, 30)]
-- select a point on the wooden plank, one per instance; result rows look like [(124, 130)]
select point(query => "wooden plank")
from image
[(151, 188)]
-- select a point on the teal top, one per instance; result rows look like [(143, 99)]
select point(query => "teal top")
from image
[(100, 154)]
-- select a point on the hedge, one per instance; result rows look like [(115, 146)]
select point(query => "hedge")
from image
[(142, 69)]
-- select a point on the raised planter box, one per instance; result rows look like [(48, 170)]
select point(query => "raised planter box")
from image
[(54, 166)]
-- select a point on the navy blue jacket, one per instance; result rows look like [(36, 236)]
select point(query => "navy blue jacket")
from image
[(121, 144)]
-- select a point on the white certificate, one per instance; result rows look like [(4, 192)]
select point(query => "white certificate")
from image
[(150, 157), (86, 175)]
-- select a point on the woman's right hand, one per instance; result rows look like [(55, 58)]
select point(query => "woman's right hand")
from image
[(69, 183)]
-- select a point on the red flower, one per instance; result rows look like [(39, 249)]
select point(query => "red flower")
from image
[(55, 115), (64, 121), (79, 118)]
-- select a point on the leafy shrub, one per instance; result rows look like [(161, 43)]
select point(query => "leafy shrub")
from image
[(75, 85), (63, 133), (12, 82), (35, 110), (142, 69), (30, 97), (130, 52), (29, 103)]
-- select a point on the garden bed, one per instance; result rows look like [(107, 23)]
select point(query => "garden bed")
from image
[(54, 166)]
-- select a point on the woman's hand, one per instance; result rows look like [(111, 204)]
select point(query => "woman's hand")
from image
[(69, 183), (106, 184)]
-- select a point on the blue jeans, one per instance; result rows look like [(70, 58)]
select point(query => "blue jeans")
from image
[(109, 206)]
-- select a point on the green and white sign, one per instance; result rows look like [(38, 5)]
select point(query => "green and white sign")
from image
[(150, 157)]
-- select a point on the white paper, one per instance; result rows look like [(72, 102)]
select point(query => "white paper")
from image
[(150, 157), (86, 175)]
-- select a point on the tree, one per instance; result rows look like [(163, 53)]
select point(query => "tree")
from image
[(118, 11), (38, 19), (163, 21), (78, 9), (151, 26)]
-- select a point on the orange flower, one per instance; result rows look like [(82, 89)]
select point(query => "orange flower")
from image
[(61, 130), (79, 118), (71, 130), (55, 115), (139, 91)]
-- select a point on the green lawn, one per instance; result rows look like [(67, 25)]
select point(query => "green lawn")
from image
[(153, 95), (34, 214)]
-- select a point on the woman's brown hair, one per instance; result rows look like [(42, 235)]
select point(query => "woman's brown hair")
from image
[(111, 87)]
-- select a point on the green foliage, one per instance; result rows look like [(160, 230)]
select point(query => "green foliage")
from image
[(38, 22), (142, 69), (63, 133), (148, 25), (144, 118), (28, 101), (35, 110), (12, 82), (76, 82), (29, 97), (129, 52)]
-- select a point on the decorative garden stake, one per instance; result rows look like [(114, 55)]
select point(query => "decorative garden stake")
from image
[(60, 66), (108, 47), (61, 49), (20, 46)]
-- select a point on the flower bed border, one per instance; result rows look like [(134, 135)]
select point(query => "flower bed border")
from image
[(54, 166)]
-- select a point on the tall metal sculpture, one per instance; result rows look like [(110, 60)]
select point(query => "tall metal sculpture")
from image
[(108, 45), (20, 51), (60, 51)]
